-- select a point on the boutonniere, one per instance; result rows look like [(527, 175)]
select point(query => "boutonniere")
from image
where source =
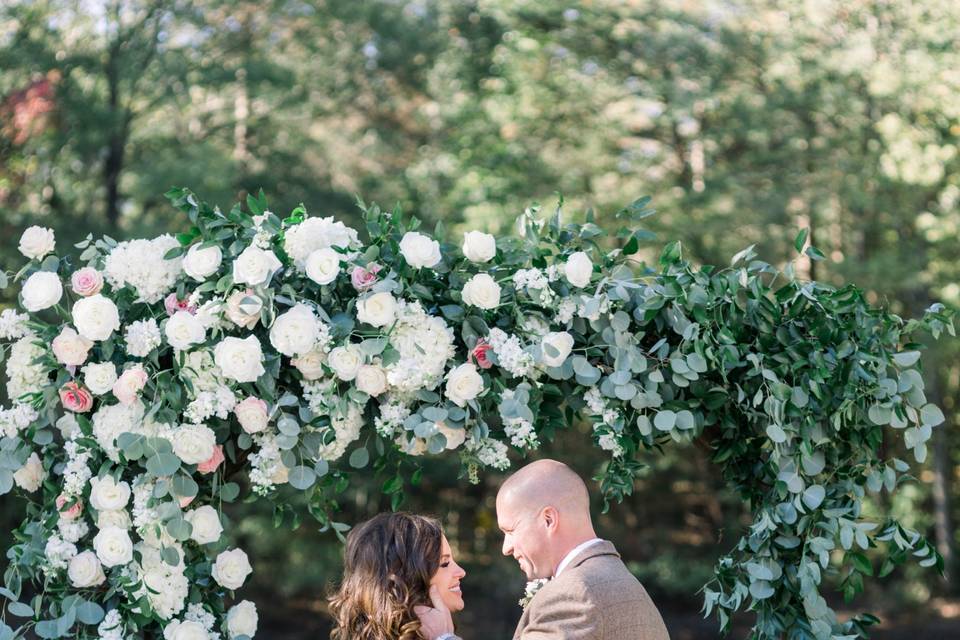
[(532, 588)]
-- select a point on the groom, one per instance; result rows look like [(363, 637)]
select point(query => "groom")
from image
[(544, 513)]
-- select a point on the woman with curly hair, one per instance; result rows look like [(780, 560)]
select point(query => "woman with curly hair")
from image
[(391, 562)]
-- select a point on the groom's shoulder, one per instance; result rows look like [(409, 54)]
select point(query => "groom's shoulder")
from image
[(601, 572)]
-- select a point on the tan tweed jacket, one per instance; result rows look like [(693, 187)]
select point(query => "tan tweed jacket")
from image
[(594, 598)]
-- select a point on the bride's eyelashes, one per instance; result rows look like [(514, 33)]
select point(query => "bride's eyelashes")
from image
[(444, 564)]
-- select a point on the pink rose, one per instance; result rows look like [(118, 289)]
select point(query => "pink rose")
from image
[(185, 502), (252, 414), (129, 384), (479, 353), (70, 348), (73, 512), (172, 305), (363, 279), (209, 466), (86, 282), (75, 398)]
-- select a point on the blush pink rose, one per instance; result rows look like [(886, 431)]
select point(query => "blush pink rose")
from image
[(252, 414), (75, 398), (129, 384), (209, 466), (86, 282), (185, 502), (70, 348), (364, 278), (479, 353), (73, 512), (172, 305)]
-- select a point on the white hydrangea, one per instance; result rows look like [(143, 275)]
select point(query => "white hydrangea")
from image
[(202, 372), (164, 585), (23, 375), (111, 420), (76, 472), (196, 613), (142, 337), (490, 452), (58, 552), (145, 517), (596, 405), (211, 403), (72, 530), (111, 628), (510, 353), (565, 310), (521, 433), (317, 233), (13, 325), (16, 419), (265, 464), (347, 427), (321, 395), (610, 442), (140, 264), (392, 414), (536, 284), (425, 344)]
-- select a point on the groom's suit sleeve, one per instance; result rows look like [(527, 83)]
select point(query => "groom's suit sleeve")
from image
[(562, 615)]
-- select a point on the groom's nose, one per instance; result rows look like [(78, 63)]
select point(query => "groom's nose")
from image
[(507, 546)]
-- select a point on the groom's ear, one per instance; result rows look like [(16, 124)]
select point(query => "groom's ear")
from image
[(551, 518)]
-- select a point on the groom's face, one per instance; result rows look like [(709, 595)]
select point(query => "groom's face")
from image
[(524, 539)]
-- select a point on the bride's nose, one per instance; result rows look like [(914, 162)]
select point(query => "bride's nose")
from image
[(460, 574)]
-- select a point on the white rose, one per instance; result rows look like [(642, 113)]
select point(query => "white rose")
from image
[(231, 569), (323, 265), (243, 308), (68, 425), (37, 242), (482, 291), (463, 384), (310, 364), (242, 619), (295, 331), (85, 570), (479, 246), (106, 494), (252, 415), (556, 346), (240, 360), (119, 518), (419, 250), (345, 362), (194, 443), (99, 377), (113, 546), (70, 348), (186, 630), (41, 291), (206, 524), (578, 269), (96, 317), (378, 310), (200, 264), (254, 266), (183, 329), (455, 437), (371, 379), (29, 477)]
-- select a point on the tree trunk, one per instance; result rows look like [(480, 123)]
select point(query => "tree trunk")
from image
[(942, 472)]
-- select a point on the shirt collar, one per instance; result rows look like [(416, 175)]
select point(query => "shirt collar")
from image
[(574, 553)]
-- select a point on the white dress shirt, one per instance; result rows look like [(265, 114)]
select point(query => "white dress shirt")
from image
[(574, 553)]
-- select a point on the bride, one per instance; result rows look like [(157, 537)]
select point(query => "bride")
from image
[(391, 564)]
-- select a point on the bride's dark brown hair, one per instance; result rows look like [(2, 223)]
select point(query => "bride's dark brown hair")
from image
[(388, 563)]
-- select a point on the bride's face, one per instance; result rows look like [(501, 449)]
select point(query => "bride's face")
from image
[(447, 578)]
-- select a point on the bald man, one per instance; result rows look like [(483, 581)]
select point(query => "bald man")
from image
[(543, 511)]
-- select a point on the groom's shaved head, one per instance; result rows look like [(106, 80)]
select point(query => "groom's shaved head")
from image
[(543, 511), (547, 483)]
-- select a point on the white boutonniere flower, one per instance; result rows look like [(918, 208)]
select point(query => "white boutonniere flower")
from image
[(532, 588)]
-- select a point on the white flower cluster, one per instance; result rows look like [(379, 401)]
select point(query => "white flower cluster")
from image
[(164, 585), (197, 624), (16, 419), (521, 433), (142, 337), (565, 311), (536, 285), (317, 233), (111, 627), (211, 403), (76, 472), (510, 353), (425, 344), (321, 395), (111, 420), (202, 372), (13, 325), (23, 375), (140, 264), (59, 553), (145, 517), (604, 427), (266, 469), (347, 427), (392, 414), (491, 453), (72, 530)]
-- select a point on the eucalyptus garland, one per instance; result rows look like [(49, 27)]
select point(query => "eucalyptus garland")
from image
[(154, 380)]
